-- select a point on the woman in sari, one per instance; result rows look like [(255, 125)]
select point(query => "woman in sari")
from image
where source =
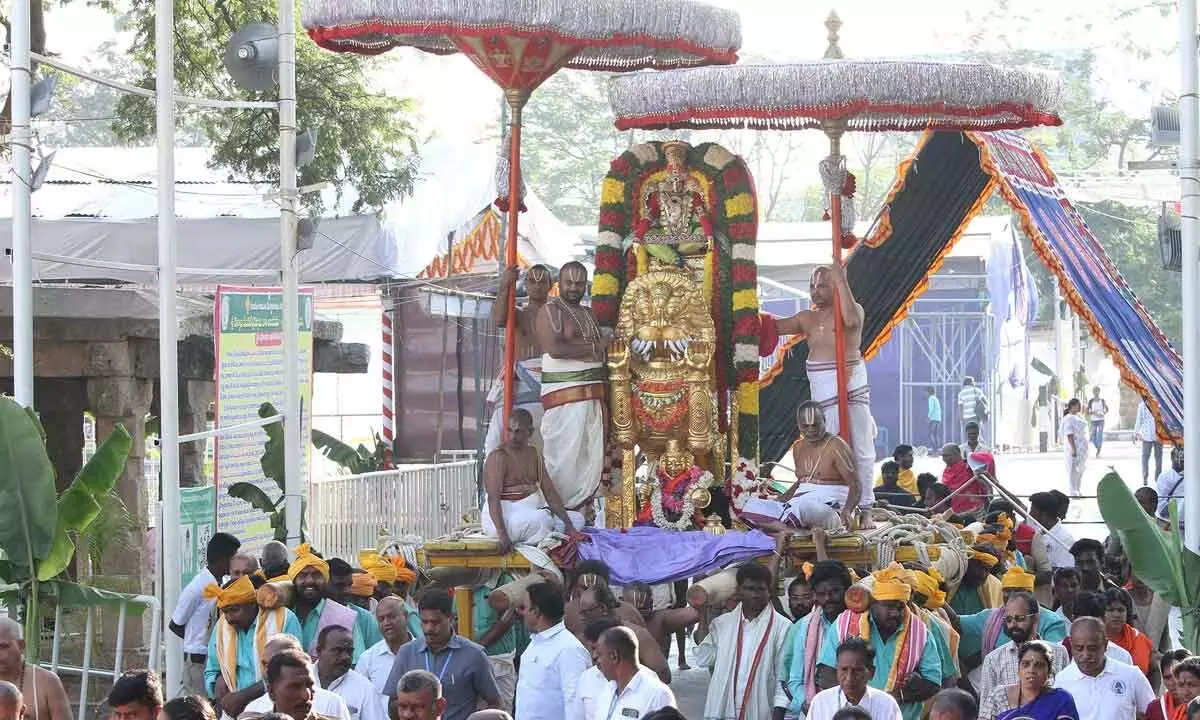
[(1032, 698), (1117, 614)]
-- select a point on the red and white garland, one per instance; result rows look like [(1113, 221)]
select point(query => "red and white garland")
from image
[(746, 484)]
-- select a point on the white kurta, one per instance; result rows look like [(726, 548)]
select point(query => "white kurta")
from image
[(573, 434), (719, 651)]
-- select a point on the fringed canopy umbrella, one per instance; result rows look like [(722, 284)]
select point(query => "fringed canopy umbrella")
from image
[(836, 95), (521, 43)]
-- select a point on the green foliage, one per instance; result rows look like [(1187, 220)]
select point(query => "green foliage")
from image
[(36, 531), (365, 139), (1158, 558), (354, 461)]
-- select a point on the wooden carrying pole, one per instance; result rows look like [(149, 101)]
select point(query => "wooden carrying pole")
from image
[(834, 132), (516, 103)]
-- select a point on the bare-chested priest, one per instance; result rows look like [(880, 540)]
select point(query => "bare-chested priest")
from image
[(825, 494), (817, 324), (573, 374), (527, 375), (522, 505)]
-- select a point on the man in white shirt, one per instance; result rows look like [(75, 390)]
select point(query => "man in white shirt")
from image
[(632, 690), (554, 660), (1022, 615), (743, 647), (855, 667), (1170, 486), (192, 613), (1145, 431), (592, 683), (323, 701), (1051, 542), (335, 647), (1103, 688), (376, 661)]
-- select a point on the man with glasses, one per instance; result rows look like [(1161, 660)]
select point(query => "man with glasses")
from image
[(1021, 619)]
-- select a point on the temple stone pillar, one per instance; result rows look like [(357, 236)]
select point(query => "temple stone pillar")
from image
[(127, 400), (61, 404), (195, 396)]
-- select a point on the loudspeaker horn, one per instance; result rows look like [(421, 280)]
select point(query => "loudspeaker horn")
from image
[(252, 56)]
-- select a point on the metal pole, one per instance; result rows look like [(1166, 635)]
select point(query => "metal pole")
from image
[(834, 133), (1061, 350), (292, 440), (22, 188), (1189, 126), (168, 350)]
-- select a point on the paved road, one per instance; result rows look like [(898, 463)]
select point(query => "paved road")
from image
[(1021, 474)]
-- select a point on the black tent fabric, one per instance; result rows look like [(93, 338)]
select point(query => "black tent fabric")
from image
[(935, 196)]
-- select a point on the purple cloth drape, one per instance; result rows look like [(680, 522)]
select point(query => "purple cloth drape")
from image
[(653, 555)]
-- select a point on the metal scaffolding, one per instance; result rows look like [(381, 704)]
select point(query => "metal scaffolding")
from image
[(938, 349)]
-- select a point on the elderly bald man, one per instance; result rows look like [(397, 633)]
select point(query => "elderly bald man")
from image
[(12, 704), (49, 700)]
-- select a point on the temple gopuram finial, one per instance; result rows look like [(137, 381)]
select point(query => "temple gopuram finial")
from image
[(833, 23)]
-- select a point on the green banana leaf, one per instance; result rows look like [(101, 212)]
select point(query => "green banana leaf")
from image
[(1155, 555), (352, 460), (73, 595), (79, 504), (272, 457), (26, 487), (254, 495)]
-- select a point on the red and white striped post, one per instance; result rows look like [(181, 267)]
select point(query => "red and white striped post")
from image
[(389, 398)]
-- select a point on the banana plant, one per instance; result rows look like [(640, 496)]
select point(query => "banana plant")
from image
[(1158, 557), (37, 527)]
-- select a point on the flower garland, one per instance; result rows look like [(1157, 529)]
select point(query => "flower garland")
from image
[(677, 499), (746, 484)]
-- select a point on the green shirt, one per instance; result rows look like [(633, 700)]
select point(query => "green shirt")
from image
[(885, 652), (247, 656), (486, 617)]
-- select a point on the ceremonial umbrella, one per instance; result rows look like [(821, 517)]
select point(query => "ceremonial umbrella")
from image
[(836, 95), (521, 43)]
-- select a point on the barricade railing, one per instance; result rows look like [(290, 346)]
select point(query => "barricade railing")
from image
[(87, 669), (349, 513)]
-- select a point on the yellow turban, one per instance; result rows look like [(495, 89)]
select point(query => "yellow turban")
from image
[(1017, 579), (807, 569), (986, 558), (306, 559), (377, 565), (936, 575), (891, 584), (239, 592), (362, 584), (926, 585)]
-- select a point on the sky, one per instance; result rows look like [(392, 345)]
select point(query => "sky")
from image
[(457, 100)]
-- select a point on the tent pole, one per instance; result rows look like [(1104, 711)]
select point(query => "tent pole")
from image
[(21, 142), (1189, 126), (516, 103)]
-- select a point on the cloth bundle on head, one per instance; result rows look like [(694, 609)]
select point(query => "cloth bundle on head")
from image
[(986, 558), (1017, 579), (892, 583), (306, 559), (362, 584), (377, 565), (404, 574), (239, 592)]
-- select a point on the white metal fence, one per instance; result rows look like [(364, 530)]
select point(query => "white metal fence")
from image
[(348, 513)]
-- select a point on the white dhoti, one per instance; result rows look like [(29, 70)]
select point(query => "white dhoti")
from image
[(573, 427), (822, 380), (813, 506), (527, 520), (527, 394)]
